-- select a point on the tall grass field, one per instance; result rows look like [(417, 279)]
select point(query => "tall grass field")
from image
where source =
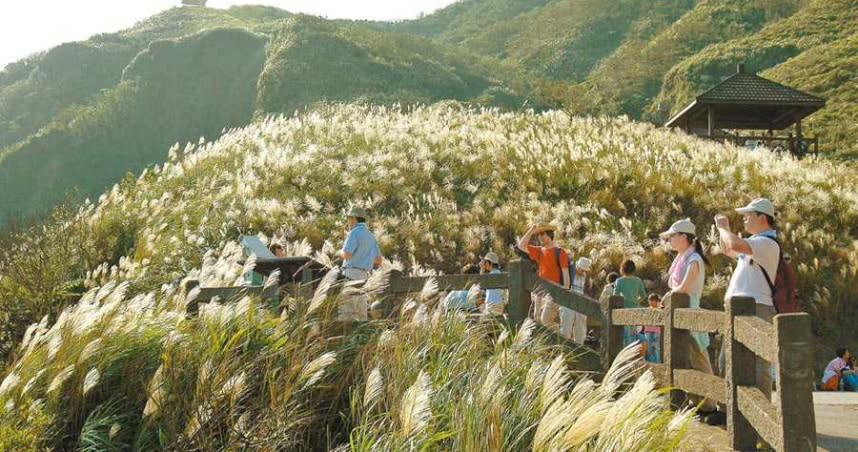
[(102, 355)]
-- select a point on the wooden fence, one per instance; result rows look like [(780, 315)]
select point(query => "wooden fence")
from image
[(788, 424)]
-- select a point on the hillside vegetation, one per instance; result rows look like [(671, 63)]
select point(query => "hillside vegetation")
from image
[(445, 185), (641, 59), (648, 59)]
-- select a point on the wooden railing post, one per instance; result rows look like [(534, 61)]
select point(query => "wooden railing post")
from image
[(271, 294), (611, 338), (740, 370), (519, 293), (307, 275), (187, 287), (795, 382), (672, 347)]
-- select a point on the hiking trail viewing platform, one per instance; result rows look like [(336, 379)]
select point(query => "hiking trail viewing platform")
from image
[(795, 419)]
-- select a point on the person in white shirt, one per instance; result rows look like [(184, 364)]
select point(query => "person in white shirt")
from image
[(755, 255), (573, 325)]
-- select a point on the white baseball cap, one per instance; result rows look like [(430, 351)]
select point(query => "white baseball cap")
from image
[(492, 257), (761, 205), (583, 263), (680, 227)]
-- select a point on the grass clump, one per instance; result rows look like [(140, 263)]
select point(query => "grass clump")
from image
[(122, 372)]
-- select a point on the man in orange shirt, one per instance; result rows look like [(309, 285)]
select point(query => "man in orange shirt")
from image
[(553, 265)]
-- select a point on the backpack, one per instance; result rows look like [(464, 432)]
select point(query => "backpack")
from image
[(557, 250), (784, 288)]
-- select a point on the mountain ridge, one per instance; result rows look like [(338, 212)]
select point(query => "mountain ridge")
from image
[(611, 57)]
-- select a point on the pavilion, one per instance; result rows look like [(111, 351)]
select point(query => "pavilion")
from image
[(745, 102)]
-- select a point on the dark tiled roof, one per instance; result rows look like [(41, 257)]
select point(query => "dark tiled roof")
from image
[(751, 88)]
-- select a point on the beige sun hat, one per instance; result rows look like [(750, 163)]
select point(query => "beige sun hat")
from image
[(357, 211), (680, 227), (761, 205), (492, 257), (584, 264), (544, 227)]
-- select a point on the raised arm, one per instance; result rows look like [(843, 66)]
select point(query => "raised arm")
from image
[(731, 244), (525, 239)]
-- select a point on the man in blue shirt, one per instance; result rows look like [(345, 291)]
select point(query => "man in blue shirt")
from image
[(360, 254)]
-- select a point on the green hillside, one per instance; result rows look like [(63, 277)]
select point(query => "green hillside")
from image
[(647, 59), (311, 60), (173, 90), (34, 90), (813, 50), (611, 57), (192, 72)]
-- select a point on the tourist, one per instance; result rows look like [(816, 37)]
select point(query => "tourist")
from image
[(836, 370), (632, 289), (850, 379), (610, 283), (462, 300), (757, 257), (573, 324), (686, 275), (277, 249), (652, 334), (552, 264), (492, 300), (360, 255), (687, 272)]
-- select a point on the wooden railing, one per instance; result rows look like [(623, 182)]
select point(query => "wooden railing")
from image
[(788, 424), (794, 145)]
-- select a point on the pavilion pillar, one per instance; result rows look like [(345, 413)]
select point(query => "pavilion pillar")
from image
[(710, 112), (798, 138)]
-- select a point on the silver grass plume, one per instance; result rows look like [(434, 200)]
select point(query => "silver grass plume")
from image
[(415, 409), (61, 378), (555, 383), (374, 387), (91, 380), (313, 371), (273, 280), (525, 332), (430, 289), (624, 367), (322, 289)]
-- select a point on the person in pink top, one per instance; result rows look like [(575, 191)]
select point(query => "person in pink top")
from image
[(686, 275), (653, 333)]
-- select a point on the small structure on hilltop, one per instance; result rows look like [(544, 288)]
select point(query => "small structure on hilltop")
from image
[(745, 102), (201, 3)]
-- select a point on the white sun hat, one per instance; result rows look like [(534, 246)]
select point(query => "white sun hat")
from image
[(584, 264), (680, 227), (492, 257), (761, 205)]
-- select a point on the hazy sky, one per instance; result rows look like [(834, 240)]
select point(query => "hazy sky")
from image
[(28, 26)]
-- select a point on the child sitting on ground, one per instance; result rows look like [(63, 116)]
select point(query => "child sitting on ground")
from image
[(653, 333)]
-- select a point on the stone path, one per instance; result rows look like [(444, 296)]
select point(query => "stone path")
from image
[(836, 426)]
